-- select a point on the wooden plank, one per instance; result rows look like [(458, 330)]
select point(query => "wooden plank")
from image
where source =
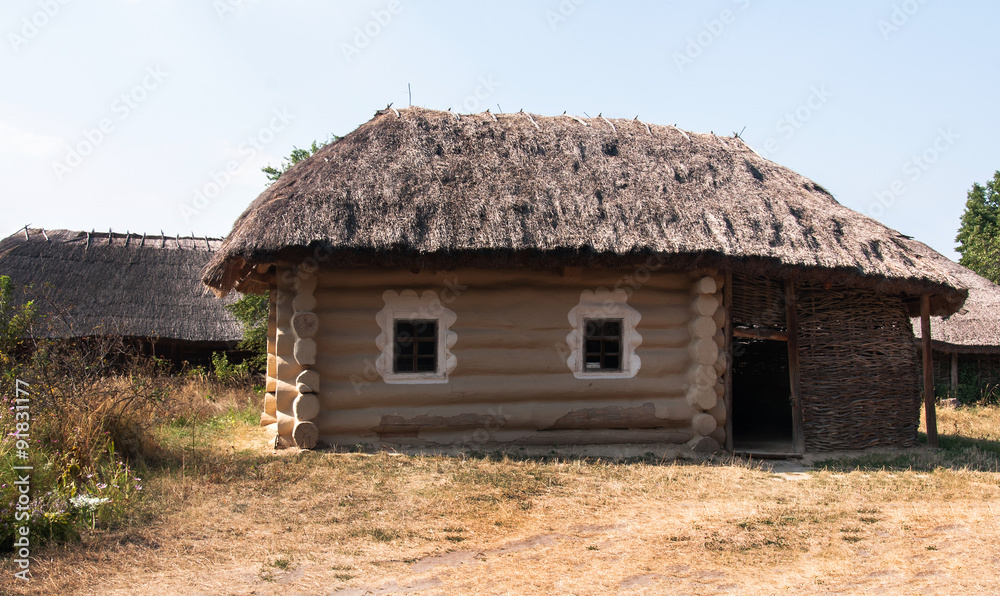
[(727, 302), (925, 335), (760, 333), (794, 374)]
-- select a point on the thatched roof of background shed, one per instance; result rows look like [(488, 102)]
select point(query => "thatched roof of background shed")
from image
[(424, 187), (128, 284), (974, 328)]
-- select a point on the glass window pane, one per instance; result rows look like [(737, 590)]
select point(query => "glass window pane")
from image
[(612, 363), (425, 328), (415, 346)]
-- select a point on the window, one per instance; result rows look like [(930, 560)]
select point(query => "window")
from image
[(416, 338), (604, 337), (415, 345), (603, 345)]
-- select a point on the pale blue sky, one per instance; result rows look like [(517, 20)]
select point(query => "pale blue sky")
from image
[(881, 98)]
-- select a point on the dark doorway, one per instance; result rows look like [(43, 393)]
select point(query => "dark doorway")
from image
[(762, 412)]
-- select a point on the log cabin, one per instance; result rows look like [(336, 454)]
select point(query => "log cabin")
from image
[(512, 281)]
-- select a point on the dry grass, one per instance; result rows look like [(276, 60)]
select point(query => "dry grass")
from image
[(232, 517)]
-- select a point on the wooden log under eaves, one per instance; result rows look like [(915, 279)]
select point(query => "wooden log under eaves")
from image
[(925, 335)]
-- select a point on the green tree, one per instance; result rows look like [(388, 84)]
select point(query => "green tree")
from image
[(15, 321), (979, 234), (251, 311), (295, 157)]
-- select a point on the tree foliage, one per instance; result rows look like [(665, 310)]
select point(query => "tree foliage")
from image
[(15, 322), (295, 157), (251, 311), (979, 234)]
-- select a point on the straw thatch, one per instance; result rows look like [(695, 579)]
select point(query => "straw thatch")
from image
[(418, 187), (126, 284), (976, 327)]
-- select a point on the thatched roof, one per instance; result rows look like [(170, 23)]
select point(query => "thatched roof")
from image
[(128, 284), (418, 187), (976, 327)]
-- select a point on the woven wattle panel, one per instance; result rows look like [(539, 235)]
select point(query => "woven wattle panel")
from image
[(861, 375), (758, 301)]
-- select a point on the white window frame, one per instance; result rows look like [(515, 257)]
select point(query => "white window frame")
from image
[(603, 304), (407, 305)]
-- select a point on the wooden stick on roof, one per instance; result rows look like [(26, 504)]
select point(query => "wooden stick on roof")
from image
[(613, 129)]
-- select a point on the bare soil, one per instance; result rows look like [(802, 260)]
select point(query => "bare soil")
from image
[(239, 518)]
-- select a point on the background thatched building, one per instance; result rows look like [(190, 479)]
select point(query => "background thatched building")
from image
[(144, 288), (966, 345), (510, 279)]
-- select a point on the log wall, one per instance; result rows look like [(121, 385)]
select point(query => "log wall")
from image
[(511, 384)]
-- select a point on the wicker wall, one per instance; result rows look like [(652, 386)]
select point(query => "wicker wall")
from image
[(860, 370), (758, 302)]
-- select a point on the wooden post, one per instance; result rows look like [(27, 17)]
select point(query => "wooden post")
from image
[(954, 374), (727, 301), (794, 375), (925, 336)]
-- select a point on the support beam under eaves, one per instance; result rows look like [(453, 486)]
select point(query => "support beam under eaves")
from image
[(794, 375), (925, 336)]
